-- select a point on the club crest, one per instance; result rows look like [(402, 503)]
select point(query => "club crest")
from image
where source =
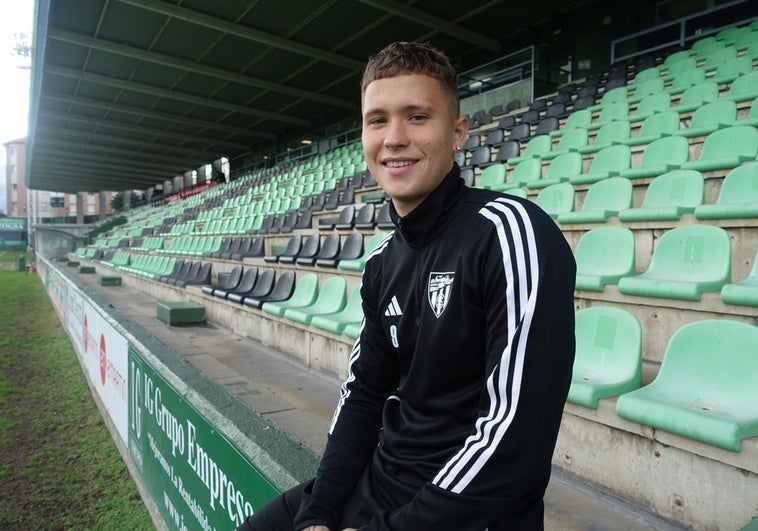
[(438, 291)]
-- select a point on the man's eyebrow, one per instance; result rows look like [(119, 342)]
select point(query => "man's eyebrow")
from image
[(411, 107)]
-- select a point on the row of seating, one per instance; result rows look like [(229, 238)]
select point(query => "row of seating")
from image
[(706, 388), (687, 261)]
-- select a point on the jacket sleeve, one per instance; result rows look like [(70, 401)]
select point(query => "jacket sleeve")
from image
[(500, 472), (354, 433)]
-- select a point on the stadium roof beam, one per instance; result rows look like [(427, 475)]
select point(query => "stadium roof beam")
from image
[(231, 28), (438, 23), (211, 71)]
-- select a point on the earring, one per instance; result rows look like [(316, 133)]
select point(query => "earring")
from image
[(457, 148)]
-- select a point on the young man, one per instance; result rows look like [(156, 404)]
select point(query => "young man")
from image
[(456, 386)]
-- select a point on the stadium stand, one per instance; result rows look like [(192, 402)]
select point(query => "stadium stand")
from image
[(655, 185)]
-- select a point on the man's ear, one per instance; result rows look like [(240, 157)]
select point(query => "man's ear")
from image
[(460, 131)]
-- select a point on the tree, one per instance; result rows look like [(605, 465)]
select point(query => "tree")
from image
[(117, 200)]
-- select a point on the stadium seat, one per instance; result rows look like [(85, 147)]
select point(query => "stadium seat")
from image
[(282, 290), (331, 299), (603, 200), (614, 132), (613, 111), (572, 140), (201, 277), (261, 287), (696, 95), (491, 176), (744, 292), (608, 162), (358, 264), (726, 148), (556, 199), (730, 70), (646, 88), (738, 197), (526, 171), (608, 359), (535, 148), (311, 247), (579, 118), (344, 219), (651, 104), (560, 170), (364, 217), (231, 281), (330, 248), (752, 117), (383, 219), (744, 87), (352, 330), (294, 244), (687, 79), (351, 249), (245, 284), (706, 386), (710, 117), (654, 127), (603, 256), (667, 197), (351, 313), (660, 156), (714, 59), (687, 261), (507, 150), (676, 68), (304, 294)]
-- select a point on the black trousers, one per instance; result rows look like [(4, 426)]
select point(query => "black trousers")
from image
[(279, 514)]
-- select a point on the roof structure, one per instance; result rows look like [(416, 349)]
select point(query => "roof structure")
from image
[(127, 94)]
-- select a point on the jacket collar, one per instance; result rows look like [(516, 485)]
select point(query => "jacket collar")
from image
[(425, 221)]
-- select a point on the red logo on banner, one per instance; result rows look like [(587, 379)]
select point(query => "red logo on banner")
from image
[(103, 359)]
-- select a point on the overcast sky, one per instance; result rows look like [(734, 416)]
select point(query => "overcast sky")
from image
[(16, 17)]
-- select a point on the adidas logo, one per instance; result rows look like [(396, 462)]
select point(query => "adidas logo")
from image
[(393, 308)]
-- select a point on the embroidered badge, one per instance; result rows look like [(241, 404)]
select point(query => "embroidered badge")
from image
[(438, 291)]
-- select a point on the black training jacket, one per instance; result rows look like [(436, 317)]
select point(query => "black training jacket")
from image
[(457, 382)]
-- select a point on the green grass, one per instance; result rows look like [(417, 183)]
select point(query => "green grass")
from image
[(59, 466)]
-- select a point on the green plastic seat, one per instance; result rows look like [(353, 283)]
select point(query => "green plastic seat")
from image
[(604, 256), (752, 118), (577, 119), (686, 79), (667, 197), (359, 263), (710, 117), (614, 132), (685, 63), (696, 95), (651, 104), (726, 148), (738, 197), (608, 162), (730, 70), (560, 169), (660, 156), (535, 148), (646, 88), (646, 75), (687, 261), (608, 359), (331, 299), (613, 111), (336, 322), (491, 176), (525, 172), (706, 45), (572, 140), (744, 87), (556, 199), (654, 127), (305, 294), (744, 292), (676, 57), (603, 200), (718, 57), (615, 95), (518, 192), (706, 388), (352, 330)]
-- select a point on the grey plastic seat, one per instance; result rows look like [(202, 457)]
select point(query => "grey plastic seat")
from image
[(282, 290), (245, 284), (261, 288), (232, 280)]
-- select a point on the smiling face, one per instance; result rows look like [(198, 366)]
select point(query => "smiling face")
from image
[(410, 130)]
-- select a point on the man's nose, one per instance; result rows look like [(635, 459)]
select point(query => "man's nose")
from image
[(396, 134)]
